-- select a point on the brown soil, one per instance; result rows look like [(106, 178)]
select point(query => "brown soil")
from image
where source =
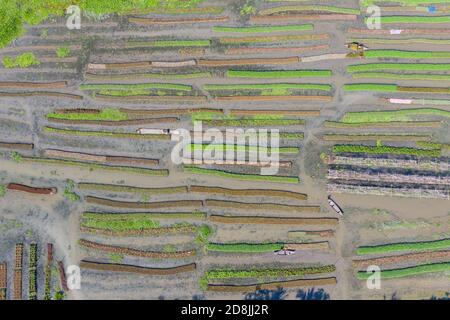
[(116, 123), (273, 285), (46, 85), (135, 269), (249, 192), (415, 257), (244, 62), (303, 17), (135, 252), (323, 245), (18, 146), (249, 50), (144, 205), (98, 158), (273, 220), (163, 231), (273, 98), (40, 94), (24, 188), (300, 113), (260, 206)]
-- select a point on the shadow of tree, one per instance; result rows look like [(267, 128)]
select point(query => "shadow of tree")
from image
[(312, 294), (278, 294)]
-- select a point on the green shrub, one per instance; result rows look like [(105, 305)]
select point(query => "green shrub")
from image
[(15, 156), (406, 246), (386, 150), (24, 60), (62, 52), (409, 271), (2, 191)]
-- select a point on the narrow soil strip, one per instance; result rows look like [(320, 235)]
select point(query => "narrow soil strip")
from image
[(272, 220), (136, 269), (28, 189)]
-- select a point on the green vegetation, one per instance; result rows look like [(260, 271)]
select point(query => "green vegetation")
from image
[(15, 156), (390, 116), (401, 54), (62, 52), (107, 134), (140, 86), (371, 67), (136, 190), (32, 272), (247, 9), (409, 271), (144, 215), (15, 13), (203, 233), (240, 176), (94, 166), (405, 246), (2, 190), (267, 74), (396, 76), (414, 19), (264, 29), (115, 257), (320, 8), (400, 41), (244, 148), (69, 194), (386, 150), (244, 247), (275, 89), (120, 225), (172, 43), (107, 114), (370, 87), (267, 273), (24, 60), (218, 119)]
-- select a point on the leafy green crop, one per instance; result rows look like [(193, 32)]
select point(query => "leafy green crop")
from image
[(24, 60), (62, 52), (394, 115), (385, 150), (409, 271), (401, 54), (107, 114), (267, 74), (406, 246), (370, 67)]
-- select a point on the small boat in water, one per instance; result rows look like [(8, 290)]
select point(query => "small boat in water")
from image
[(335, 206)]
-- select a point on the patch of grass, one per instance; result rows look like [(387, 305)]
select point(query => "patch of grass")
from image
[(120, 225), (406, 246), (69, 194), (264, 29), (107, 114), (240, 176), (409, 271), (15, 156), (203, 233), (247, 9), (244, 247), (402, 54), (394, 115), (385, 150), (24, 60), (2, 190), (268, 74), (62, 52)]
